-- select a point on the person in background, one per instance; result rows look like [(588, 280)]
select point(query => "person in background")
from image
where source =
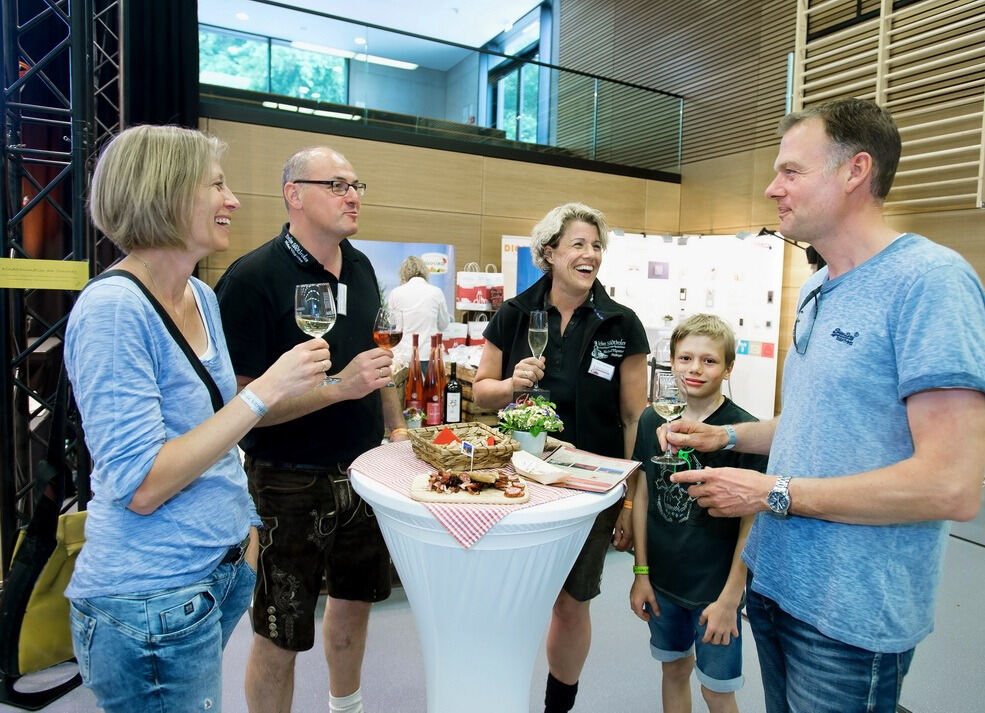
[(880, 438), (314, 524), (422, 306), (167, 568), (595, 368), (690, 581), (814, 260)]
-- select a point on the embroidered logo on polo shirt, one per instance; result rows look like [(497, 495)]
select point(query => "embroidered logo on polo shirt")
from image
[(608, 349), (845, 337), (297, 250)]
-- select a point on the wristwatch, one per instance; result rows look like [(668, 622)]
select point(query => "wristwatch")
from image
[(778, 499), (731, 438)]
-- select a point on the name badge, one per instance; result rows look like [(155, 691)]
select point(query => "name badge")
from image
[(600, 368), (341, 300)]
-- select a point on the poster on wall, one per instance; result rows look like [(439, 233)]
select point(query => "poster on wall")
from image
[(387, 257), (664, 279)]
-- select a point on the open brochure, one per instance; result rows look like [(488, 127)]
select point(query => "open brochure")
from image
[(573, 468)]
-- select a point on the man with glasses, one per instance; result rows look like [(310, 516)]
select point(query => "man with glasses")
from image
[(297, 458), (881, 437)]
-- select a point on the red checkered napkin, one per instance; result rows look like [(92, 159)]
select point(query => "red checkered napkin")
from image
[(395, 465)]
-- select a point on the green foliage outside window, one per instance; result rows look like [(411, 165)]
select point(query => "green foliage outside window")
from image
[(233, 59)]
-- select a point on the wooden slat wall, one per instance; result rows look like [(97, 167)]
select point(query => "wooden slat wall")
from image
[(925, 62), (727, 59), (425, 195)]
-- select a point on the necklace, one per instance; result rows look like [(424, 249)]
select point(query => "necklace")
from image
[(184, 312)]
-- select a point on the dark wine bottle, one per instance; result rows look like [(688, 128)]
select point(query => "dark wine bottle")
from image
[(453, 397)]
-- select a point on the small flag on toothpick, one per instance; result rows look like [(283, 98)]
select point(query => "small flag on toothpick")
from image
[(469, 450)]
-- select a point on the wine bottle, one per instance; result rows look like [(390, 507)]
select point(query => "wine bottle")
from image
[(432, 388), (453, 397), (414, 393)]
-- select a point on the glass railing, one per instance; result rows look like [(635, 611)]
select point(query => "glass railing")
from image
[(385, 80)]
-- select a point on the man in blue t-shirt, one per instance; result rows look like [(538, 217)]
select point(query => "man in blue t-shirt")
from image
[(880, 439)]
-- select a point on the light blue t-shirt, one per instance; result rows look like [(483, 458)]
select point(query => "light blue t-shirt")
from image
[(909, 319), (135, 390)]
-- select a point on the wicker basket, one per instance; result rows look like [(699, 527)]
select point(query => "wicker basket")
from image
[(450, 456)]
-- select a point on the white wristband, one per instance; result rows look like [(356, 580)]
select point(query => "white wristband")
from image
[(731, 438), (253, 401)]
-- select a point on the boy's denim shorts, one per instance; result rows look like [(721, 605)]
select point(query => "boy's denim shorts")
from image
[(314, 525), (162, 650), (675, 633)]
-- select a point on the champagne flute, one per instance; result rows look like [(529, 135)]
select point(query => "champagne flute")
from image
[(537, 333), (668, 397), (388, 330), (314, 311)]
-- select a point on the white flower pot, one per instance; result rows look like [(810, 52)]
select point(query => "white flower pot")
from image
[(413, 422), (531, 444)]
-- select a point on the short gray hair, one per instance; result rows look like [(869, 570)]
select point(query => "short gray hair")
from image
[(296, 166), (144, 184), (548, 232)]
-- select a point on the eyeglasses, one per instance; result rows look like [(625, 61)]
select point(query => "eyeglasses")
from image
[(806, 315), (339, 188)]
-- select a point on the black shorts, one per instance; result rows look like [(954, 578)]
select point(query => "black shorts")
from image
[(584, 582), (313, 525)]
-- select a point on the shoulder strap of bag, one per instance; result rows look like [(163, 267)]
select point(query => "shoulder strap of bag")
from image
[(179, 338)]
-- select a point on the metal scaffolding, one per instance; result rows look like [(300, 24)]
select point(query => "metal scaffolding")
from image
[(62, 99)]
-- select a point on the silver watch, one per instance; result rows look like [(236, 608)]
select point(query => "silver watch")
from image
[(778, 499)]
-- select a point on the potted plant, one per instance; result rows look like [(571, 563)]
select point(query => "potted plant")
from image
[(528, 420), (412, 417)]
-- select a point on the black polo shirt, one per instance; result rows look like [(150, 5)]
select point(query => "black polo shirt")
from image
[(256, 298), (562, 357)]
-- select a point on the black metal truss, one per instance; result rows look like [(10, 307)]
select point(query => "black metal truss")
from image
[(62, 98)]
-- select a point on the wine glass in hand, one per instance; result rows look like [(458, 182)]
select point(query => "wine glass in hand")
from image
[(314, 311), (668, 397), (537, 333), (388, 330)]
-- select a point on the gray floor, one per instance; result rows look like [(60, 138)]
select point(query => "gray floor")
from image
[(946, 677)]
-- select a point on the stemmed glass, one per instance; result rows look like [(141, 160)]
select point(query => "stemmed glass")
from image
[(388, 330), (314, 311), (668, 397), (537, 333)]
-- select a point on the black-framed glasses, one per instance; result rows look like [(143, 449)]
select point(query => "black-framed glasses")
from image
[(806, 316), (339, 188)]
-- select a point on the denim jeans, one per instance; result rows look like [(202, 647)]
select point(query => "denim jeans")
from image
[(805, 671), (161, 652)]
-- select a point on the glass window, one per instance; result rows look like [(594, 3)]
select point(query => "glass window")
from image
[(306, 74), (232, 59)]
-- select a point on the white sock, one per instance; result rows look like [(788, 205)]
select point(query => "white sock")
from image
[(353, 703)]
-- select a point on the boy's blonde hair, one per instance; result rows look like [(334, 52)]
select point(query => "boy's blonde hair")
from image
[(706, 325)]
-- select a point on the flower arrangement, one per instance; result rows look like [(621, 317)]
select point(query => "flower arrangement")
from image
[(530, 414), (413, 417)]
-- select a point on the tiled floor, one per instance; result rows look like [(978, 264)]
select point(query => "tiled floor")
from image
[(946, 677)]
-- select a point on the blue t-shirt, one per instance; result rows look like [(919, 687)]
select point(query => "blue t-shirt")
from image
[(909, 319), (135, 390)]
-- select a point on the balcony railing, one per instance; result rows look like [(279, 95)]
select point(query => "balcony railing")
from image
[(402, 84)]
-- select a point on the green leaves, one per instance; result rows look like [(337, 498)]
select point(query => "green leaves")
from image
[(530, 414)]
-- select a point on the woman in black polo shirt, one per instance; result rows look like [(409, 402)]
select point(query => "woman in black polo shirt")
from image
[(595, 368)]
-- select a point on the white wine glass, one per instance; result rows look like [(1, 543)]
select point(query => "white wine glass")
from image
[(314, 311), (537, 333), (668, 397)]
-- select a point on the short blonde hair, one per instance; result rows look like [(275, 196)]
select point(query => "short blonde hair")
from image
[(706, 325), (548, 232), (143, 187), (413, 266)]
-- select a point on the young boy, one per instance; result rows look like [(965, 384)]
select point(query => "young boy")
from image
[(695, 586)]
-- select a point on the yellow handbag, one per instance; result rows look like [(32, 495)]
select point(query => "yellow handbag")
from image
[(46, 638)]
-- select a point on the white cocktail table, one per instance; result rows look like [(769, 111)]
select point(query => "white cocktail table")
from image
[(482, 612)]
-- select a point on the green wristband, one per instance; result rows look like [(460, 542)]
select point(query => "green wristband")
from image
[(641, 569)]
